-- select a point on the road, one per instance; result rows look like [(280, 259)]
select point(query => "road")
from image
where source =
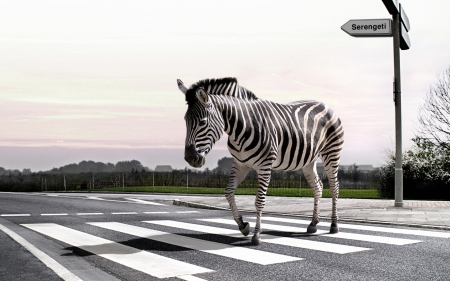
[(145, 237)]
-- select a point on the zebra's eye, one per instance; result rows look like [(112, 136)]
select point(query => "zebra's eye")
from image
[(203, 122)]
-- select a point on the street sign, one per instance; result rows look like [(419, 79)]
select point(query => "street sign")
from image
[(398, 28), (405, 43), (368, 28), (404, 18), (391, 6)]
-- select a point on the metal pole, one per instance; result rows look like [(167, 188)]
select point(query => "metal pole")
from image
[(187, 181), (398, 113), (65, 188)]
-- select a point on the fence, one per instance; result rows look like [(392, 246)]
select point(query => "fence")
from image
[(353, 183)]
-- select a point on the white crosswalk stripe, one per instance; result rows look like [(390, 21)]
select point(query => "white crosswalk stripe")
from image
[(417, 232), (235, 252), (152, 264), (165, 267), (286, 241), (342, 235)]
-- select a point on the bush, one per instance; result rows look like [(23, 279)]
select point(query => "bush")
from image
[(426, 172)]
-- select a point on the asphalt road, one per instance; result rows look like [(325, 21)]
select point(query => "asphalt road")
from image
[(146, 237)]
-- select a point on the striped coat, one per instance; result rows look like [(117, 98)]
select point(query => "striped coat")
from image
[(265, 136)]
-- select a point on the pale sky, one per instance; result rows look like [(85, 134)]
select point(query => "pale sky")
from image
[(96, 80)]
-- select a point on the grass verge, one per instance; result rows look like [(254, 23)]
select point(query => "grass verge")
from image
[(284, 192)]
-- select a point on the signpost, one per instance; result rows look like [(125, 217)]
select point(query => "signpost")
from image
[(398, 29), (368, 28)]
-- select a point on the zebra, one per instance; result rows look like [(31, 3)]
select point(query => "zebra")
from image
[(265, 136)]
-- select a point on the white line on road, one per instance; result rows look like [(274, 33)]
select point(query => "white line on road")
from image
[(145, 202), (346, 235), (152, 264), (372, 228), (62, 214), (15, 215), (225, 250), (60, 270), (286, 241), (156, 212), (124, 213), (89, 214)]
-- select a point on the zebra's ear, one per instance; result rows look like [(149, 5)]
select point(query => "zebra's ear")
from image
[(202, 95), (181, 86)]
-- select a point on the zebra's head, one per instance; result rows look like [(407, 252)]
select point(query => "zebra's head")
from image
[(203, 125)]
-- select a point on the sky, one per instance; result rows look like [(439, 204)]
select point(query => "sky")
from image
[(96, 80)]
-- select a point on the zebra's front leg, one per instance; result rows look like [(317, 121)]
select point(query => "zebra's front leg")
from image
[(237, 175), (260, 202), (332, 174), (316, 184)]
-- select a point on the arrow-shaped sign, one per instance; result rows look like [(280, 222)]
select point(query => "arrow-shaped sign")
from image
[(368, 28)]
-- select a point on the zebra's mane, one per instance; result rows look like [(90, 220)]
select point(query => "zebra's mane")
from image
[(223, 86)]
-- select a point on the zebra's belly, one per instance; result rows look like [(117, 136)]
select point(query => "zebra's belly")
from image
[(292, 161)]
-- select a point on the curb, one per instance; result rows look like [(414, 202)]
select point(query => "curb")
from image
[(210, 207)]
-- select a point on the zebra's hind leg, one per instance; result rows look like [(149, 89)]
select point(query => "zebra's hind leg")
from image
[(260, 202), (237, 175), (331, 168), (317, 187)]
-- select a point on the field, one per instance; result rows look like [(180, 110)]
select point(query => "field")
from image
[(286, 192)]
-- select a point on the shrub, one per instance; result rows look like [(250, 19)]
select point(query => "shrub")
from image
[(426, 172)]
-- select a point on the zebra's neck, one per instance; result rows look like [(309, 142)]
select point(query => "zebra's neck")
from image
[(230, 110)]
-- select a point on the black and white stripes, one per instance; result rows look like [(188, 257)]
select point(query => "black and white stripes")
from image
[(265, 136)]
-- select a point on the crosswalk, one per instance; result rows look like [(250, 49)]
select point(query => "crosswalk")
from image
[(176, 233)]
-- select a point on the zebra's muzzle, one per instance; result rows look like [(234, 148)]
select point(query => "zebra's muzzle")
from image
[(191, 156)]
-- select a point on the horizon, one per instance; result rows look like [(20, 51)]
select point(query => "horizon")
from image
[(97, 81), (151, 169)]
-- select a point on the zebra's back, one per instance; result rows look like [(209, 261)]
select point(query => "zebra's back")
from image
[(289, 136)]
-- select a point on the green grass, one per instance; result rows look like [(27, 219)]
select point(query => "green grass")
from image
[(285, 192)]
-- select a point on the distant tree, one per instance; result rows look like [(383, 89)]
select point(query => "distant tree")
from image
[(434, 115), (224, 165), (127, 166)]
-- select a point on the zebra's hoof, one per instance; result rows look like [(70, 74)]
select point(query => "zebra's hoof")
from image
[(246, 229), (256, 240), (311, 229), (334, 228)]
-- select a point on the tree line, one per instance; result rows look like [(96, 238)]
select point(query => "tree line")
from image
[(89, 175)]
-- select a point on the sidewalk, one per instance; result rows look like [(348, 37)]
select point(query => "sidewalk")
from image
[(424, 214)]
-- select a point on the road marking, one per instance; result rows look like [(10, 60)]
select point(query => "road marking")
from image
[(125, 213), (156, 212), (285, 241), (199, 227), (62, 214), (152, 264), (60, 270), (372, 228), (225, 250), (15, 215), (109, 200), (345, 235), (145, 202), (95, 198), (89, 214), (186, 212)]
